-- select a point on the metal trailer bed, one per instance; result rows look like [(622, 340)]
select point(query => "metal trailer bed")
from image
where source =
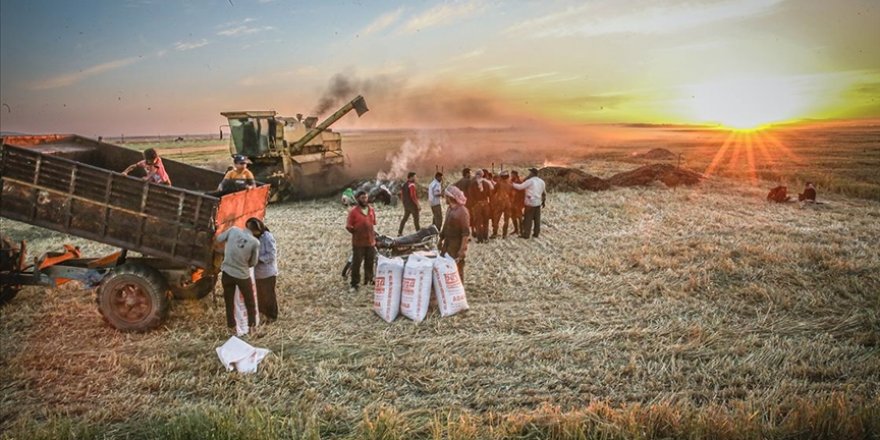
[(70, 184)]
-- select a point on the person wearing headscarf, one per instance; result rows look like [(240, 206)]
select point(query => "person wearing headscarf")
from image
[(266, 270), (456, 228)]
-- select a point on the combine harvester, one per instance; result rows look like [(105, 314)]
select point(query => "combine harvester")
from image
[(64, 183), (298, 158)]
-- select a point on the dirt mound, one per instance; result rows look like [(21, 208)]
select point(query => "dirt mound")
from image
[(571, 179), (666, 173), (658, 154)]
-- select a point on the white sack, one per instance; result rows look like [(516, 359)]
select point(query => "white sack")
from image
[(448, 287), (416, 291), (239, 310), (240, 355), (386, 293)]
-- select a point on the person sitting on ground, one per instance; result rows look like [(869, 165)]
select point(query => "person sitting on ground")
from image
[(239, 178), (348, 197), (151, 157), (779, 194), (809, 194)]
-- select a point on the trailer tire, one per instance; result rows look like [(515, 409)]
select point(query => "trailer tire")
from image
[(7, 293), (133, 298), (197, 290)]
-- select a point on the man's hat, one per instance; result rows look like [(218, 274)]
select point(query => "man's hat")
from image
[(505, 173), (238, 158)]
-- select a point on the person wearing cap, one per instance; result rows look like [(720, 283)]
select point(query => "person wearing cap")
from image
[(409, 196), (501, 204), (456, 228), (361, 224), (239, 177), (435, 197), (535, 197), (153, 167), (478, 195)]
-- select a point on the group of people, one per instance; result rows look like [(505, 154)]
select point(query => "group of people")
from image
[(473, 203), (779, 194), (249, 257)]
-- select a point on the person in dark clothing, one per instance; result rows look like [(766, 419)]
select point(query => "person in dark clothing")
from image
[(266, 270), (456, 228), (478, 194), (502, 204), (517, 203), (410, 197), (361, 224), (809, 194)]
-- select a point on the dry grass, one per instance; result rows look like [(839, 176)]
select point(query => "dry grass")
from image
[(640, 313)]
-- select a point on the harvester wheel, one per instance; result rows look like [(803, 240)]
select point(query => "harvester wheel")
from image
[(133, 298), (197, 290)]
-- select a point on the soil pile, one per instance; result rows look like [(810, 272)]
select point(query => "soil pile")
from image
[(666, 173), (658, 154), (571, 179)]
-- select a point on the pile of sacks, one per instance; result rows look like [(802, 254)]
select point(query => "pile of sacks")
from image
[(405, 287)]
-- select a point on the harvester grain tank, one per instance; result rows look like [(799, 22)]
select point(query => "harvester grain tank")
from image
[(296, 156)]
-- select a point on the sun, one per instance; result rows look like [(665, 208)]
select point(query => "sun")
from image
[(748, 103)]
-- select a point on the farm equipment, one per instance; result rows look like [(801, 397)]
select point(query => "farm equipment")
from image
[(64, 183), (297, 157)]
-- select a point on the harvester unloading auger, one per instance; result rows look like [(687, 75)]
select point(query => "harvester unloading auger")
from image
[(297, 157)]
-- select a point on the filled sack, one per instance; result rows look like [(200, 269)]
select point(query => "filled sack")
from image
[(416, 291), (448, 287), (386, 294)]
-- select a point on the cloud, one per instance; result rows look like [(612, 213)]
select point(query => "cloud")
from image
[(75, 77), (244, 30), (588, 21), (181, 46), (382, 22), (279, 77), (531, 77), (441, 15)]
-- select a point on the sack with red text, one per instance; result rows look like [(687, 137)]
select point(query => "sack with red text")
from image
[(448, 287), (386, 294), (416, 291)]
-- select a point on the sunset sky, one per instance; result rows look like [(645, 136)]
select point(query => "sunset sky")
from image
[(169, 67)]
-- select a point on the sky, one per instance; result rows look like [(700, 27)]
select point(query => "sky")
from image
[(150, 67)]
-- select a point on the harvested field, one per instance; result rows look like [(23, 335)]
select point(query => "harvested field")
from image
[(657, 154), (639, 313)]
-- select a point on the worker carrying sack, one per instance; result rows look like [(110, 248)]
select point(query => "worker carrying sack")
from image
[(386, 295), (416, 292), (448, 287)]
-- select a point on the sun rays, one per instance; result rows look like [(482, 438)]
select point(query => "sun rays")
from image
[(751, 155)]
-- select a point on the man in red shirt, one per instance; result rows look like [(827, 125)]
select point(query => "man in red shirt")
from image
[(361, 223)]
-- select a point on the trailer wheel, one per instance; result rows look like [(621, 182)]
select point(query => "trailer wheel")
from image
[(133, 298), (7, 293), (197, 290)]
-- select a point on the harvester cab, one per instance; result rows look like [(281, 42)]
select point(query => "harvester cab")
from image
[(297, 156)]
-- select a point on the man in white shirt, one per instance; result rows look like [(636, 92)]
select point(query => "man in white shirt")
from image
[(535, 197), (435, 196)]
